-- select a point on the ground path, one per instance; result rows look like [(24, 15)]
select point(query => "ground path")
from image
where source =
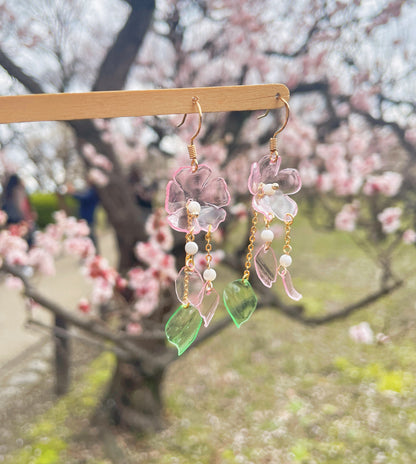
[(66, 287)]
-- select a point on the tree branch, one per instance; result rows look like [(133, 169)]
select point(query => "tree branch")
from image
[(150, 363), (123, 355), (16, 72), (348, 310), (121, 55)]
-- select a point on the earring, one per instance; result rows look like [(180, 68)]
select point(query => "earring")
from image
[(270, 189), (194, 203)]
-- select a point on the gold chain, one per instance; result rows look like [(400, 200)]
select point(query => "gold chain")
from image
[(208, 246), (208, 257), (250, 246), (189, 260), (287, 247)]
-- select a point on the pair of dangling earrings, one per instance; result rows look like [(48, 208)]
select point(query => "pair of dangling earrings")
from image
[(194, 202)]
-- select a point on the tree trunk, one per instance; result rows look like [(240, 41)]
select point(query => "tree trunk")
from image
[(134, 399), (62, 356)]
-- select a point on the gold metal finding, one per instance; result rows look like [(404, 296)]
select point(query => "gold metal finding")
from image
[(208, 246), (287, 247), (191, 146), (189, 259), (286, 117), (250, 246), (274, 155)]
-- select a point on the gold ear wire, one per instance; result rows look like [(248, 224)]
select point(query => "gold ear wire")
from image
[(286, 117), (273, 141), (191, 146)]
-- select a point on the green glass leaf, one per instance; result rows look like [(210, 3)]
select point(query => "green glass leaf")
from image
[(183, 327), (240, 301)]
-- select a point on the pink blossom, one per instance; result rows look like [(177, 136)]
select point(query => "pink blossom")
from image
[(102, 291), (390, 219), (16, 257), (361, 101), (134, 328), (14, 283), (215, 154), (82, 247), (97, 177), (145, 306), (388, 184), (324, 182), (97, 267), (84, 305), (156, 221), (121, 283), (165, 270), (163, 238), (48, 241), (148, 252), (362, 333), (357, 145), (346, 219), (348, 185), (136, 276), (365, 166), (409, 236), (13, 248), (308, 173), (42, 261)]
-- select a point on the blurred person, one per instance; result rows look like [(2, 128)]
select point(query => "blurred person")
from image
[(88, 201), (16, 205)]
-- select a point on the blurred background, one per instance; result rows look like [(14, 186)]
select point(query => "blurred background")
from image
[(86, 375)]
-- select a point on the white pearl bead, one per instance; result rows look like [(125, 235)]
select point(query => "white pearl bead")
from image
[(210, 274), (268, 189), (194, 207), (191, 248), (267, 235), (285, 260)]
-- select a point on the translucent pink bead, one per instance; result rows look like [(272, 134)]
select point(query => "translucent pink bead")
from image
[(209, 304), (288, 285), (195, 287), (265, 263)]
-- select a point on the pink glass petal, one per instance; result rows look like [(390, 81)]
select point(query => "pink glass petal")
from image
[(195, 287), (208, 305), (289, 181), (210, 215), (281, 205), (175, 197), (268, 169), (179, 221), (192, 183), (262, 206), (265, 263), (254, 179), (215, 193), (288, 285)]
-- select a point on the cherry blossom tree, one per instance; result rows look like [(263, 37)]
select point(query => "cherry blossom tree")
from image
[(351, 135)]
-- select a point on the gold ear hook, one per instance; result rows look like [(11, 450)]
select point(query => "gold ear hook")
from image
[(286, 118), (196, 101), (274, 155), (191, 146)]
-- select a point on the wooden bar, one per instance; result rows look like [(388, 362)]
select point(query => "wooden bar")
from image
[(114, 104)]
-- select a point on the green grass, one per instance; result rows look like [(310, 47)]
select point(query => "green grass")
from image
[(276, 391)]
